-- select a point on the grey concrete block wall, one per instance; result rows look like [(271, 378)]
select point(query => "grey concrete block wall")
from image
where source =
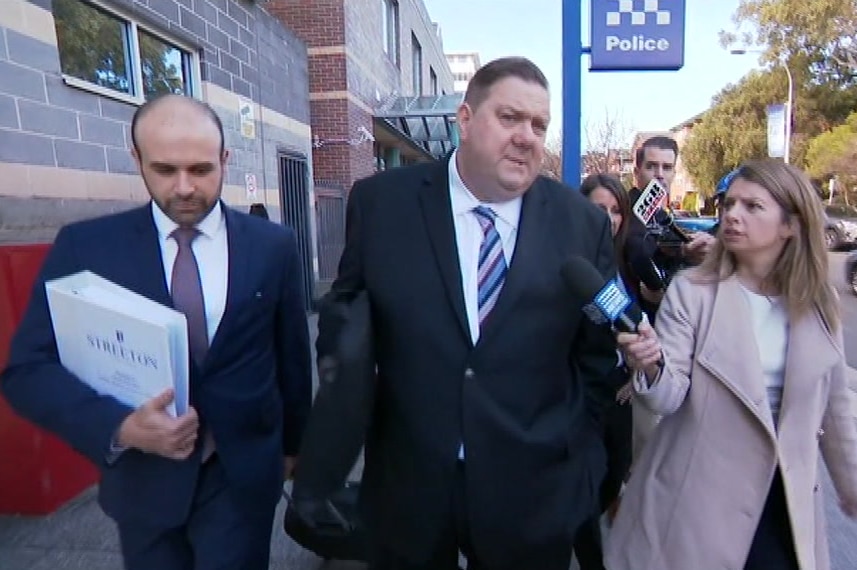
[(30, 72), (45, 122)]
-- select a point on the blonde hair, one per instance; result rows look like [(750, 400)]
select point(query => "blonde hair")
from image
[(800, 273)]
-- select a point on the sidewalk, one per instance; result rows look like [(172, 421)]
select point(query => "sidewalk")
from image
[(80, 536)]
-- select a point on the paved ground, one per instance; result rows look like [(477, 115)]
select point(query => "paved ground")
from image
[(79, 536)]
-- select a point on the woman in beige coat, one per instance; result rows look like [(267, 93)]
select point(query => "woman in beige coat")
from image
[(747, 368)]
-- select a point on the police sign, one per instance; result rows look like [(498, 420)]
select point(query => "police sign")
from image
[(637, 35)]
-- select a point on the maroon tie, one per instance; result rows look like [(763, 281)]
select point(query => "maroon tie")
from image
[(186, 289)]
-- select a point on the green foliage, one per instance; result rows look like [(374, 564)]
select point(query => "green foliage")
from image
[(833, 152), (815, 39), (821, 32)]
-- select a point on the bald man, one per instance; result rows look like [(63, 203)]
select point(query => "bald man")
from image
[(198, 491)]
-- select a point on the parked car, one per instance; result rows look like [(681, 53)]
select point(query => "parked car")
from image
[(839, 232), (851, 271), (697, 224)]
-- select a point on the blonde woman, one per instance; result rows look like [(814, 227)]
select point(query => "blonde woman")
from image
[(747, 368)]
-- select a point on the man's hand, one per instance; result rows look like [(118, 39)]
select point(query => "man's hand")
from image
[(291, 466), (152, 430), (698, 247)]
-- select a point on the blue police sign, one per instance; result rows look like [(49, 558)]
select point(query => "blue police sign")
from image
[(637, 35)]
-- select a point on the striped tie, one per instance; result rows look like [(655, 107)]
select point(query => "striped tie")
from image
[(492, 263)]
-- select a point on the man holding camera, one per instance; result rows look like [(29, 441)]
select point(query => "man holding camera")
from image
[(656, 159)]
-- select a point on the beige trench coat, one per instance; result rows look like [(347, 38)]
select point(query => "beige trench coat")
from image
[(696, 495)]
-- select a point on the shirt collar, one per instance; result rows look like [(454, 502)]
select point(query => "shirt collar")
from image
[(208, 227), (463, 201)]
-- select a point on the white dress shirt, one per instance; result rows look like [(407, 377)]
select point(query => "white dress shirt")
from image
[(212, 257), (468, 238), (771, 326)]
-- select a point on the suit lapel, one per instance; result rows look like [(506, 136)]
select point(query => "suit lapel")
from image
[(730, 352), (529, 242), (238, 244), (437, 215)]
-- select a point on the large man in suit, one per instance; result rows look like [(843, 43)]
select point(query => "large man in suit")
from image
[(198, 491), (490, 380)]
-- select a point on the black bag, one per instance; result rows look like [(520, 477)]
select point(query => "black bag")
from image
[(331, 529)]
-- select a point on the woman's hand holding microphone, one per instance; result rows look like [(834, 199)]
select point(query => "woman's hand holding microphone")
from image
[(642, 351)]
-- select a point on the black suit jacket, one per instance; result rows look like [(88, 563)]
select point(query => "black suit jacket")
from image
[(524, 400), (253, 390)]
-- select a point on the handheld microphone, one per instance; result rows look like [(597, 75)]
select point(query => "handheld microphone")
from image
[(665, 220), (605, 301), (651, 200)]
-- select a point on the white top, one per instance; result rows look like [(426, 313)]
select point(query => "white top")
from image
[(468, 238), (771, 327), (211, 250)]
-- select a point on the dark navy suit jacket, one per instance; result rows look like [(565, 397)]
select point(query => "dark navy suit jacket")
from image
[(253, 390)]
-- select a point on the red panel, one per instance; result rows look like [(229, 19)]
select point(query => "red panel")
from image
[(38, 472)]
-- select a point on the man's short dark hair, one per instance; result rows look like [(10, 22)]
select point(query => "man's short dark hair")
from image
[(659, 142), (490, 73), (143, 109)]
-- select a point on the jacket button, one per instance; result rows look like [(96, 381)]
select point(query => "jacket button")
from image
[(815, 488), (819, 433), (469, 374)]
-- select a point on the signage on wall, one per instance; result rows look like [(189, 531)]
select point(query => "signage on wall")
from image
[(250, 186), (248, 121), (637, 35)]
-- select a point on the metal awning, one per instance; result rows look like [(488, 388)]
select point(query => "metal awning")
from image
[(428, 121)]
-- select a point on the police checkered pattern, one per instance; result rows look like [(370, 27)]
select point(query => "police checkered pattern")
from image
[(637, 11)]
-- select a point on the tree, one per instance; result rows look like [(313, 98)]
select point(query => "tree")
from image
[(552, 162), (607, 139), (735, 128), (833, 154), (819, 33)]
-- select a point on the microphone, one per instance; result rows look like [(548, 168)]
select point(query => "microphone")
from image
[(665, 220), (607, 302)]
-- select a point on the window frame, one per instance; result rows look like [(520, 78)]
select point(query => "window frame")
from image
[(193, 66), (417, 70), (390, 30)]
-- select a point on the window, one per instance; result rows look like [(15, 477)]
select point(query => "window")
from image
[(417, 65), (102, 51), (390, 29), (433, 80)]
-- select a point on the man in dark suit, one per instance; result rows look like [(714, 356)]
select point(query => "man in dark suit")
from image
[(490, 380), (197, 491)]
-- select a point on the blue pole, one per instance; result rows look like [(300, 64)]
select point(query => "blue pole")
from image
[(571, 79)]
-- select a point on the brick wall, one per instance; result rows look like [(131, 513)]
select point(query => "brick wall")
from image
[(319, 23), (350, 75)]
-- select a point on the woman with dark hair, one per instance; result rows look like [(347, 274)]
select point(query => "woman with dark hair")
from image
[(607, 192)]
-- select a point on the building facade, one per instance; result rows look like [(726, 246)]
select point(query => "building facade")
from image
[(684, 192), (463, 66), (72, 73), (381, 95)]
